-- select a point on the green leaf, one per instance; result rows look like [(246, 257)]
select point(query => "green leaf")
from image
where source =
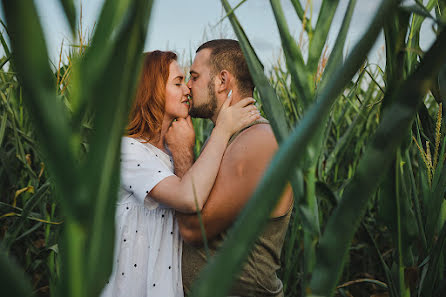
[(432, 269), (301, 14), (434, 207), (326, 14), (241, 237), (46, 110), (4, 44), (270, 101), (70, 13), (442, 86), (396, 121), (12, 233), (395, 31), (230, 12), (300, 77), (415, 201), (420, 10), (111, 99), (3, 127), (336, 56), (113, 18), (346, 139), (414, 36), (13, 281)]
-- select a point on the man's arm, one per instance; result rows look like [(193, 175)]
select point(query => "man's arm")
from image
[(183, 159), (242, 167)]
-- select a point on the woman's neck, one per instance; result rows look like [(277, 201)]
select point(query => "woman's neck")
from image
[(164, 127)]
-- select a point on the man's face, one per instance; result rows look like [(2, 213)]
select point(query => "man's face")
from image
[(202, 88)]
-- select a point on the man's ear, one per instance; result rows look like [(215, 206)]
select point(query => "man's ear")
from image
[(224, 80)]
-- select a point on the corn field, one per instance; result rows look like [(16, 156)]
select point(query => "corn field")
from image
[(363, 147)]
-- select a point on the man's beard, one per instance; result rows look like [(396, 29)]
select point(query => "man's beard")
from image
[(206, 110)]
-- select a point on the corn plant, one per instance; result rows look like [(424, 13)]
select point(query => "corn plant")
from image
[(324, 256), (85, 178), (363, 148)]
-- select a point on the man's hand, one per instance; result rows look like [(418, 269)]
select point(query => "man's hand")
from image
[(180, 139)]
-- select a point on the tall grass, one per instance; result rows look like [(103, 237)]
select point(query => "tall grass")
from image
[(405, 90), (85, 178), (363, 147)]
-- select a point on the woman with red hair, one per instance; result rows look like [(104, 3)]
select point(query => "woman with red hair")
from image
[(148, 245)]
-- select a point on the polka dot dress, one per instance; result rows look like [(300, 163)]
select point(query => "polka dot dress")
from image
[(147, 259)]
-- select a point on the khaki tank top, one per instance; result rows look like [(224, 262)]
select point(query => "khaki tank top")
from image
[(258, 276)]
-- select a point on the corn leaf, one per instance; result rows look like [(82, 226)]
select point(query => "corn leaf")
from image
[(326, 14), (300, 77), (343, 222), (241, 237), (12, 279), (301, 14), (36, 77), (336, 56), (270, 101), (70, 13)]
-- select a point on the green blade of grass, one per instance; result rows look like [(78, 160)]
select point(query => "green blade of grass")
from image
[(343, 222), (3, 127), (434, 207), (346, 139), (270, 102), (336, 59), (301, 14), (326, 14), (111, 21), (395, 31), (70, 13), (218, 275), (13, 281), (102, 163), (300, 77), (36, 77), (12, 233), (416, 202), (414, 36), (230, 12), (4, 44), (434, 264)]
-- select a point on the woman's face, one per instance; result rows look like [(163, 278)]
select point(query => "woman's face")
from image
[(177, 101)]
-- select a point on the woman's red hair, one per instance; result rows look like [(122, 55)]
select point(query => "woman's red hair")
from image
[(147, 112)]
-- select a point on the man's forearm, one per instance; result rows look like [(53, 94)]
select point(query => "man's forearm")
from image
[(182, 160)]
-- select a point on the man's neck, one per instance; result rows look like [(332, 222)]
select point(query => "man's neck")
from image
[(236, 97)]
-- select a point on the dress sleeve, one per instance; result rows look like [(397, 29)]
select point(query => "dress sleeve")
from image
[(141, 169)]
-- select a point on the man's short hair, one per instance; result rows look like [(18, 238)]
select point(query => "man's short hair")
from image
[(227, 54)]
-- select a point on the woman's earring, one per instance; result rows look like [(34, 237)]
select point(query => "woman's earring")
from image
[(230, 93)]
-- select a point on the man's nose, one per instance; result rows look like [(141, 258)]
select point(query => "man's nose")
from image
[(189, 83)]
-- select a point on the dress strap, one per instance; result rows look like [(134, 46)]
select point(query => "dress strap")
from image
[(259, 121)]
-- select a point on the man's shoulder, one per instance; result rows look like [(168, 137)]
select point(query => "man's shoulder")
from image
[(259, 133), (257, 139)]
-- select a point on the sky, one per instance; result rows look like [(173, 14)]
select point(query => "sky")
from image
[(182, 26)]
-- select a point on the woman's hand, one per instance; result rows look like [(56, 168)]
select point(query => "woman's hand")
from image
[(233, 118)]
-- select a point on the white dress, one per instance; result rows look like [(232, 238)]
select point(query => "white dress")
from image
[(147, 257)]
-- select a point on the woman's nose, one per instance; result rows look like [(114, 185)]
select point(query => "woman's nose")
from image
[(186, 90)]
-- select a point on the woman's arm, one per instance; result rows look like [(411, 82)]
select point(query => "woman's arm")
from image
[(197, 182)]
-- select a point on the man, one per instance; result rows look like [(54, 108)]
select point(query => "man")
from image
[(218, 68)]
